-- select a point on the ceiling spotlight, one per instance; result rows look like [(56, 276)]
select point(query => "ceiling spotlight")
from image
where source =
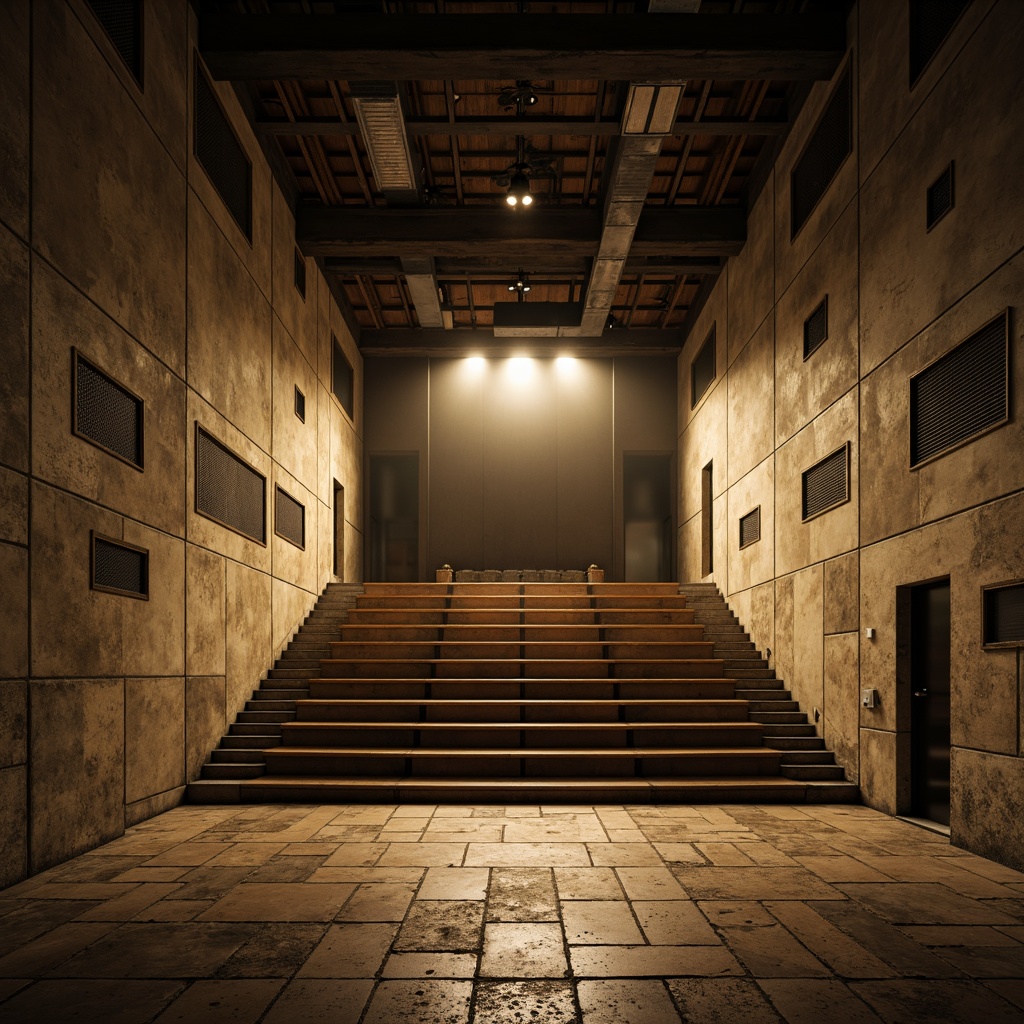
[(519, 190), (521, 285), (611, 322)]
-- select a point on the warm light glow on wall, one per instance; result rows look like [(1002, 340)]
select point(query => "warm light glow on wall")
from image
[(567, 366), (474, 365), (520, 369)]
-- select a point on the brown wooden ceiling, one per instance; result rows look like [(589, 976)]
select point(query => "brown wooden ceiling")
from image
[(728, 131)]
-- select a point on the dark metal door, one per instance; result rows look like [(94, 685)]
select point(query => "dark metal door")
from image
[(929, 678)]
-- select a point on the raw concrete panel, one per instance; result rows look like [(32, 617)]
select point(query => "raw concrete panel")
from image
[(689, 553), (909, 274), (752, 274), (354, 542), (644, 399), (347, 464), (13, 722), (294, 439), (154, 736), (13, 506), (806, 681), (14, 128), (76, 762), (785, 625), (205, 721), (75, 631), (754, 563), (842, 701), (64, 319), (15, 386), (987, 805), (248, 626), (290, 606), (704, 440), (878, 773), (298, 313), (295, 565), (322, 406), (806, 387), (799, 543), (229, 333), (14, 604), (761, 624), (13, 825), (842, 593), (324, 524), (342, 331), (750, 386), (204, 612), (140, 810), (108, 201), (714, 315)]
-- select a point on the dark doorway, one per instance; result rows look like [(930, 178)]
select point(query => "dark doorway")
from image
[(339, 531), (647, 516), (394, 517), (929, 701), (707, 538)]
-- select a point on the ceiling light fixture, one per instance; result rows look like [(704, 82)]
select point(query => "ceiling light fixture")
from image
[(519, 188), (521, 285)]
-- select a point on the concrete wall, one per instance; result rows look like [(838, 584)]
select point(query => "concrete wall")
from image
[(899, 296), (520, 459), (114, 241)]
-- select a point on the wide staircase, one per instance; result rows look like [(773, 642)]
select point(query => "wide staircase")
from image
[(513, 692)]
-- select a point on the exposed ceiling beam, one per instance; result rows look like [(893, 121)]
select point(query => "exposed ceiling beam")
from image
[(511, 127), (541, 263), (543, 46), (473, 233)]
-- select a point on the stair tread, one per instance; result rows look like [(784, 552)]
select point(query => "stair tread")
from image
[(555, 752)]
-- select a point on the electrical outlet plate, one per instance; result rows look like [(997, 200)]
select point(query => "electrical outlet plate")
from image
[(867, 698)]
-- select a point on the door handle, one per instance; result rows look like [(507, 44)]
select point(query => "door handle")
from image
[(921, 693)]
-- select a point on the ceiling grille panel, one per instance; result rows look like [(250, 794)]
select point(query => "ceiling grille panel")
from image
[(106, 414), (221, 154), (940, 197), (290, 519), (228, 489), (961, 395), (119, 569), (750, 527), (829, 145), (827, 483), (816, 327), (1003, 615), (930, 23), (122, 21), (702, 370)]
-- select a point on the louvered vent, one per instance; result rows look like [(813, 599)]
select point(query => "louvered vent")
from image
[(1002, 620), (960, 395), (342, 379), (827, 483), (290, 519), (830, 144), (702, 369), (222, 155), (107, 414), (383, 129), (750, 527), (930, 22), (122, 21), (816, 327), (119, 568), (940, 197), (300, 405), (229, 490), (300, 273)]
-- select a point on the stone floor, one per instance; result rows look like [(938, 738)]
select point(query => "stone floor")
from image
[(601, 915)]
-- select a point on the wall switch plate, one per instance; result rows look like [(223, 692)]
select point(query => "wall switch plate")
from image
[(869, 633), (868, 697)]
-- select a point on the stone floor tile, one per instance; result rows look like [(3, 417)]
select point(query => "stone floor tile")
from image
[(284, 868), (414, 811), (917, 1001), (964, 935), (252, 854), (8, 986), (736, 913), (1011, 989), (420, 1002), (187, 855), (623, 854), (674, 922), (939, 869), (439, 925), (28, 922), (52, 948), (381, 876), (626, 1002), (356, 855), (600, 922), (838, 951), (356, 814), (810, 1001), (614, 817), (514, 855), (652, 961), (82, 890), (350, 951), (588, 884), (89, 1001), (387, 901), (721, 1001), (431, 965), (453, 811), (523, 811), (922, 903), (454, 884), (679, 853), (124, 908), (724, 855), (754, 883), (985, 961), (319, 849), (1014, 931), (277, 950), (841, 869), (223, 1001), (522, 894), (414, 837), (771, 952), (625, 835), (512, 1002), (990, 869), (488, 833), (145, 874), (208, 883), (548, 830), (423, 855), (650, 883), (340, 1002), (192, 950), (174, 910), (279, 901), (516, 950), (403, 823), (766, 854)]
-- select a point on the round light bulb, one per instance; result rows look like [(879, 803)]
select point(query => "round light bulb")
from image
[(527, 199), (511, 199)]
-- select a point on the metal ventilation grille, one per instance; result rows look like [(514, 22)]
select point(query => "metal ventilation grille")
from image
[(750, 527), (300, 405), (290, 519), (383, 129), (342, 379), (107, 414), (940, 196), (1003, 615), (300, 273), (122, 21), (229, 490), (816, 327), (221, 154), (930, 23), (960, 395), (827, 483), (702, 369), (830, 144), (119, 568)]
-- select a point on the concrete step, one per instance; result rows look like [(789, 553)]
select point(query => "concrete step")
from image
[(220, 755), (794, 742), (249, 741), (819, 772)]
